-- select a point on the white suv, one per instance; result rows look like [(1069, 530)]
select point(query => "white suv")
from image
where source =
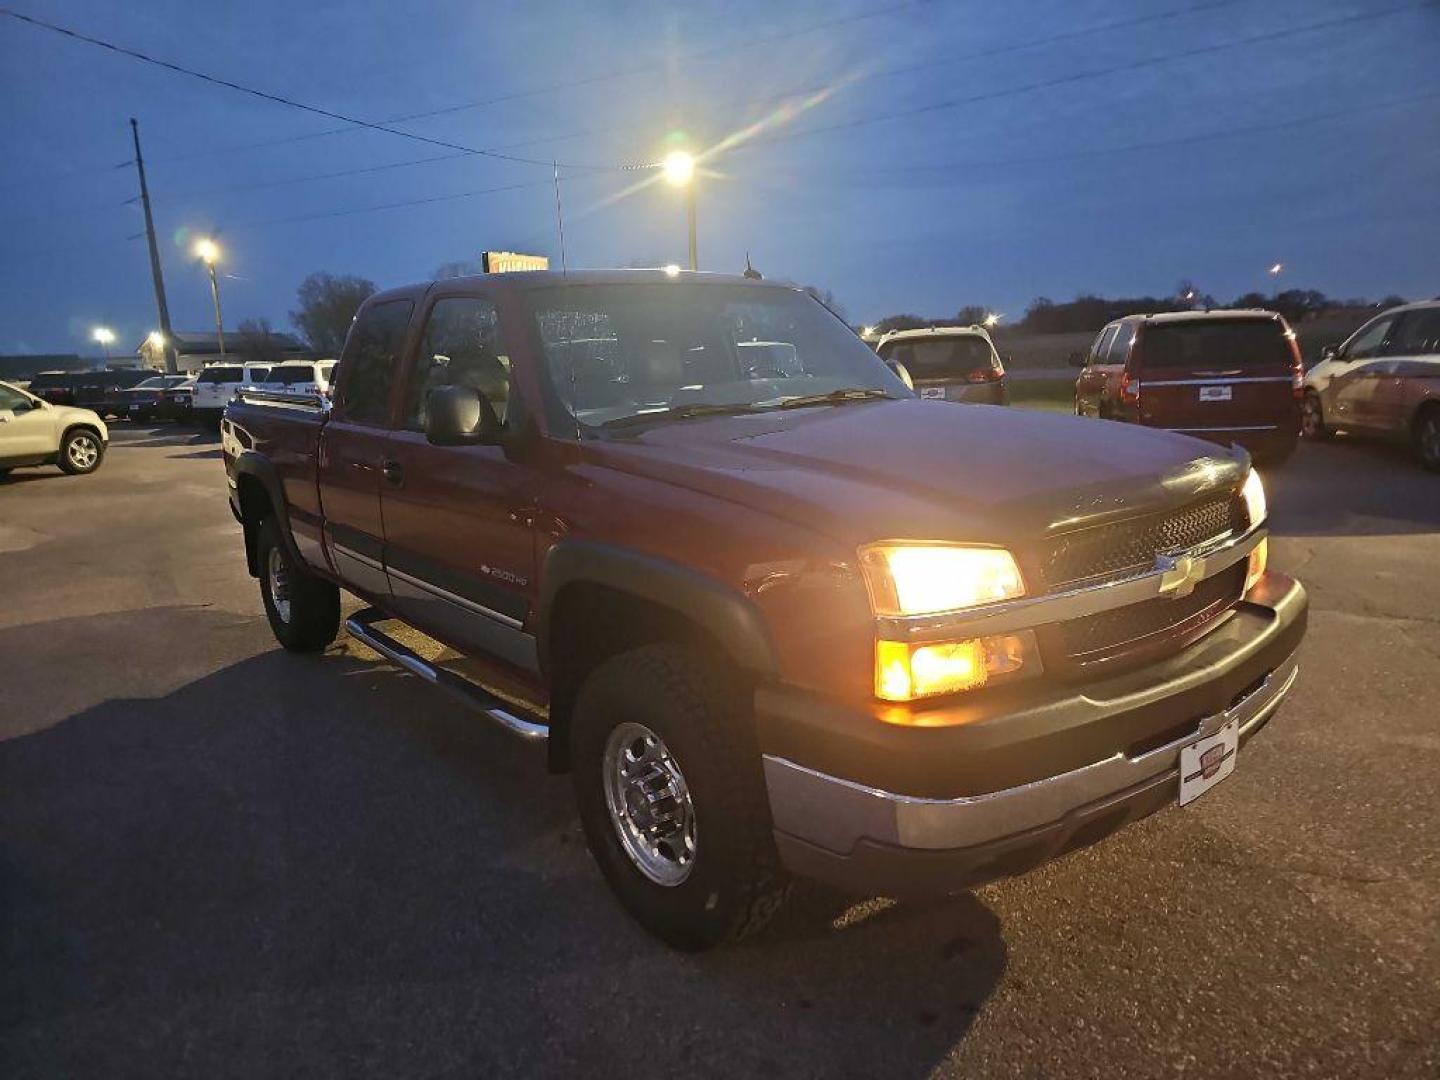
[(300, 377), (34, 432), (216, 385)]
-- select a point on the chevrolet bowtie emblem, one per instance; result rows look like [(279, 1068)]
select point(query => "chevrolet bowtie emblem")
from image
[(1179, 574)]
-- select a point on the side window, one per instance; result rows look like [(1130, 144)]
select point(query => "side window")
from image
[(1119, 350), (461, 346), (1369, 340), (367, 368), (13, 400), (1416, 333), (1102, 345)]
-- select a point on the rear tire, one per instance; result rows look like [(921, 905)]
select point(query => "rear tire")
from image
[(81, 452), (664, 708), (304, 611), (1312, 418), (1426, 437)]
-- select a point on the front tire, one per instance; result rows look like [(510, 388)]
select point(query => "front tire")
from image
[(81, 452), (1312, 418), (671, 797), (303, 610), (1427, 437)]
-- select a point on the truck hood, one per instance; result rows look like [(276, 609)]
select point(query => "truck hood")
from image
[(919, 469)]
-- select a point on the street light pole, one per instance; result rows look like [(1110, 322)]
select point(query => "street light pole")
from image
[(690, 206), (219, 322), (209, 253)]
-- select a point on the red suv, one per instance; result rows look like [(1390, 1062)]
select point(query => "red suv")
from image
[(1226, 376)]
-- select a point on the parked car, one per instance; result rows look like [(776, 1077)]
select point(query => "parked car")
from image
[(160, 397), (1383, 381), (299, 377), (1226, 376), (953, 363), (56, 387), (35, 432), (802, 623), (216, 385), (104, 391)]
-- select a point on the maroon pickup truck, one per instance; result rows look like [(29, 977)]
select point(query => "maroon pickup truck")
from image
[(774, 618)]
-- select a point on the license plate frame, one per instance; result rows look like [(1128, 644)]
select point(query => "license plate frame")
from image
[(1208, 761), (1216, 393)]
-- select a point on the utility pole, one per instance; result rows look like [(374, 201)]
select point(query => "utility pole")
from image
[(690, 213), (161, 307)]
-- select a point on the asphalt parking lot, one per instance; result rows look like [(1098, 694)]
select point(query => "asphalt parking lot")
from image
[(219, 859)]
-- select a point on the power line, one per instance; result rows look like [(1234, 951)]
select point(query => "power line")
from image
[(265, 95), (1062, 80)]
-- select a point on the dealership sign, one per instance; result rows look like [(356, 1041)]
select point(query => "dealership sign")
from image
[(508, 262)]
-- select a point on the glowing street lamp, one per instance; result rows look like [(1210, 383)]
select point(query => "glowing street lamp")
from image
[(106, 337), (993, 320), (208, 252), (678, 169), (1276, 269)]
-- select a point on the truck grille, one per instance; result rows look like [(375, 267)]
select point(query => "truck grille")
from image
[(1112, 552), (1108, 633)]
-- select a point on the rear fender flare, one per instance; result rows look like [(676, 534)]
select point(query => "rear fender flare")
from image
[(258, 468)]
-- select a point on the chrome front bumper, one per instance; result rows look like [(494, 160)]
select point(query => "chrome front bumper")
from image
[(836, 815)]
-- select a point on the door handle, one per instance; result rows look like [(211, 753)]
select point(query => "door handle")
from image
[(392, 472)]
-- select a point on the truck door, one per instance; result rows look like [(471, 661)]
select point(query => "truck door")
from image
[(458, 519), (352, 447)]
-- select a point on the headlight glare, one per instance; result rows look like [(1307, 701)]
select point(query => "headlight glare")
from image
[(1254, 493), (924, 579)]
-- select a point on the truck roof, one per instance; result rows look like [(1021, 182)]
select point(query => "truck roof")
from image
[(542, 279)]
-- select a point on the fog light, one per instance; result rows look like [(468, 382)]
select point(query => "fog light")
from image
[(904, 671), (1256, 569)]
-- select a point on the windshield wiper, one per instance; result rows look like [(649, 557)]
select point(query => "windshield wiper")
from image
[(680, 412), (834, 397)]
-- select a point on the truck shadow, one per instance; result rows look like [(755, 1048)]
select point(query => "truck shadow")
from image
[(1352, 487), (294, 855)]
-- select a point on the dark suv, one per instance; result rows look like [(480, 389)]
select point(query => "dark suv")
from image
[(1225, 376)]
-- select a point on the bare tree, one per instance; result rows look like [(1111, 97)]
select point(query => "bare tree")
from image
[(327, 307), (255, 342)]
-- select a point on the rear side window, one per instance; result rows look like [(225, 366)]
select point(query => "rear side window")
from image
[(1216, 343), (1417, 333), (1119, 350), (289, 376), (367, 368), (49, 381), (1102, 345), (220, 375), (943, 358)]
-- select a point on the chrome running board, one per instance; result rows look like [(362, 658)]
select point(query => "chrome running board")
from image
[(361, 626)]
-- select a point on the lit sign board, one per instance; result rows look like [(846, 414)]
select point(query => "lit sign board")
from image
[(508, 262)]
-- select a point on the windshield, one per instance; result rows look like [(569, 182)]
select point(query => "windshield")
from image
[(157, 383), (289, 376), (942, 357), (620, 354), (50, 379)]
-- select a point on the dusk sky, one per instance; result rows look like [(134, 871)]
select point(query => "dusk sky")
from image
[(939, 170)]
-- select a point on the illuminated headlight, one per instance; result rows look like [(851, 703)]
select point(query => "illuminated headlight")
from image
[(905, 671), (1254, 492), (924, 579)]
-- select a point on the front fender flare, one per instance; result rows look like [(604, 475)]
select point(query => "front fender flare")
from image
[(723, 612)]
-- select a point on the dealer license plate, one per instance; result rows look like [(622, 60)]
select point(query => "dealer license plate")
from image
[(1205, 762), (937, 392), (1214, 393)]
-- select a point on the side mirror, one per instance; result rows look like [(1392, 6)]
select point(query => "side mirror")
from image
[(902, 371), (461, 416), (1329, 352), (1077, 359)]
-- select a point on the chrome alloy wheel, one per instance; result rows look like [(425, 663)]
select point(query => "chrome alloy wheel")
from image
[(1311, 424), (83, 451), (279, 585), (649, 804)]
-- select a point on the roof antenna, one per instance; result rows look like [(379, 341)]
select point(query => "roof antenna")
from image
[(560, 222)]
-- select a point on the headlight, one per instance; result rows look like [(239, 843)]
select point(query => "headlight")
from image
[(1254, 492), (923, 579)]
